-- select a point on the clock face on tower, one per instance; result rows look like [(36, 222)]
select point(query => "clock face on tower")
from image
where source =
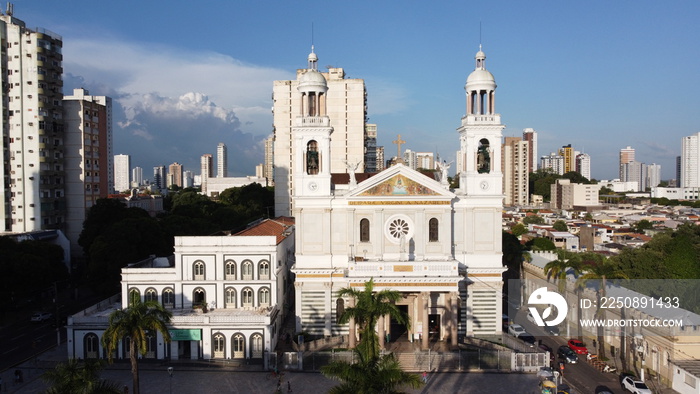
[(313, 186), (484, 185)]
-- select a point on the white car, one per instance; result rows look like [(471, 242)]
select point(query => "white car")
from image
[(635, 386), (515, 330), (530, 318), (39, 317)]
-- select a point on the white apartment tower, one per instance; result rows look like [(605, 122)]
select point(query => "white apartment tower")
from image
[(122, 166), (268, 167), (221, 161), (583, 165), (690, 161), (136, 177), (530, 135), (653, 175), (553, 163), (159, 177), (626, 156), (516, 169), (345, 101), (206, 171), (88, 157), (33, 137)]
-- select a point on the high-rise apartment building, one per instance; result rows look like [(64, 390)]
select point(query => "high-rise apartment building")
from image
[(425, 160), (567, 152), (515, 166), (690, 161), (136, 177), (175, 175), (269, 165), (187, 179), (88, 157), (380, 159), (221, 161), (653, 175), (159, 177), (33, 171), (410, 159), (370, 148), (626, 156), (583, 165), (553, 163), (634, 171), (530, 135), (346, 106), (122, 167), (206, 171)]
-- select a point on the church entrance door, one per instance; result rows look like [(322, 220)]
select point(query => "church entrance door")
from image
[(398, 330), (434, 325)]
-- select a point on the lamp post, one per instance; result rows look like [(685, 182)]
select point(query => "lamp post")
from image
[(170, 373)]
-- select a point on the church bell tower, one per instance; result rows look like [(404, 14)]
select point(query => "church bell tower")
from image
[(480, 135), (311, 135)]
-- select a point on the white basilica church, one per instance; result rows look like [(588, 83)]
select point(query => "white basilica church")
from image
[(439, 247)]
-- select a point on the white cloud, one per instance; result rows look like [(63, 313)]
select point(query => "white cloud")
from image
[(159, 116)]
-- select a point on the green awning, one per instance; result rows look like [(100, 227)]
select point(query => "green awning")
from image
[(186, 335)]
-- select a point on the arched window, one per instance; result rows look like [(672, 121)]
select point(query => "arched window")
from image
[(433, 230), (134, 296), (151, 295), (151, 349), (247, 270), (256, 346), (219, 345), (364, 230), (483, 157), (230, 270), (264, 296), (230, 299), (198, 270), (312, 158), (264, 270), (247, 297), (339, 309), (199, 297), (125, 343), (91, 346), (168, 298), (238, 346)]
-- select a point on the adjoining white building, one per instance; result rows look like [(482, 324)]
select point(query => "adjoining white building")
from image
[(226, 294), (690, 161), (221, 161), (567, 195), (122, 169)]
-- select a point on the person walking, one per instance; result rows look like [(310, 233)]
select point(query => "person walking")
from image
[(425, 377), (289, 386)]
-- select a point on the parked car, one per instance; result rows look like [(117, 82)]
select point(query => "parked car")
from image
[(577, 346), (567, 355), (635, 386), (528, 339), (39, 317), (515, 330), (530, 318), (552, 330)]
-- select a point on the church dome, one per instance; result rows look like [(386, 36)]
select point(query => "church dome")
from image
[(312, 80), (480, 78)]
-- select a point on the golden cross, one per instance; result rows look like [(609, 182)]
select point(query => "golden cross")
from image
[(398, 141)]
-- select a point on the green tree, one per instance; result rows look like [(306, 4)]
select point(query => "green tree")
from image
[(642, 225), (540, 243), (372, 373), (519, 229), (560, 225), (598, 267), (576, 177), (560, 267), (369, 307), (74, 377), (533, 219), (136, 322), (369, 376)]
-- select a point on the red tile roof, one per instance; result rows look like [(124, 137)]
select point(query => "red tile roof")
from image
[(268, 227)]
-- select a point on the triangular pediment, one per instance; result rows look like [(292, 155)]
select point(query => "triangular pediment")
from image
[(400, 181)]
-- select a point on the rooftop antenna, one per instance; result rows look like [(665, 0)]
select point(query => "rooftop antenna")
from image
[(479, 35)]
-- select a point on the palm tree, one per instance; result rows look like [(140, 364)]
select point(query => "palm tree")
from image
[(598, 267), (369, 307), (136, 322), (559, 268), (372, 373), (379, 375), (73, 377)]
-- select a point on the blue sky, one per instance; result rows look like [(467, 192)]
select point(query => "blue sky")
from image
[(600, 75)]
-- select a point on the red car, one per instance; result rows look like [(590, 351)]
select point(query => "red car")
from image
[(577, 346)]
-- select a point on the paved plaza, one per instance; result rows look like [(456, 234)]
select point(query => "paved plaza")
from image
[(228, 379)]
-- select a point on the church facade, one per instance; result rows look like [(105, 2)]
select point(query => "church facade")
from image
[(439, 247)]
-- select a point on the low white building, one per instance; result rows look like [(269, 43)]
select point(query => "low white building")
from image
[(215, 186), (676, 193), (226, 293)]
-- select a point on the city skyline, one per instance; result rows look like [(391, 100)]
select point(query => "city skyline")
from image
[(575, 74)]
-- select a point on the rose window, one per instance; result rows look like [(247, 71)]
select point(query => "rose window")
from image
[(398, 227)]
